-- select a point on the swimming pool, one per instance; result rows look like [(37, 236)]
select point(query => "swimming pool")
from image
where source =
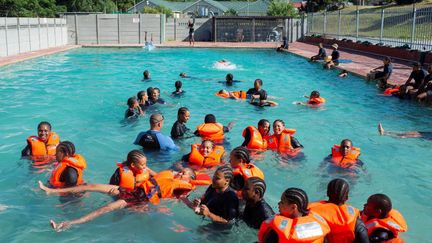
[(83, 93)]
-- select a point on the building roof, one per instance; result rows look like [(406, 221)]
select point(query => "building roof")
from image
[(242, 6)]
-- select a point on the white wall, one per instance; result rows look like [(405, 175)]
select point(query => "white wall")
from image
[(20, 35)]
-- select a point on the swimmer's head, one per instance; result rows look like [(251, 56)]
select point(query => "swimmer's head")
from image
[(387, 60), (416, 66), (315, 94), (136, 160), (223, 92), (222, 177), (64, 149), (337, 191), (155, 94), (345, 147), (264, 127), (149, 91), (44, 131), (156, 121), (142, 96), (239, 156), (183, 75), (146, 74), (377, 206), (254, 189), (207, 147), (210, 118), (229, 77), (293, 201), (320, 45), (258, 84), (278, 126), (132, 102), (178, 85), (183, 114), (186, 174)]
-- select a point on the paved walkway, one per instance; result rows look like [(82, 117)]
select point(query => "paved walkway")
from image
[(33, 54), (361, 63)]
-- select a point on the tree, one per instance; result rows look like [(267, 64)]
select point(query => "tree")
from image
[(281, 8), (231, 12), (29, 8), (158, 9)]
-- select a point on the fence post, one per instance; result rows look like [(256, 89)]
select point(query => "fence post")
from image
[(97, 29), (325, 23), (61, 30), (286, 28), (339, 24), (139, 28), (29, 33), (253, 30), (19, 36), (214, 29), (292, 29), (47, 36), (6, 36), (175, 29), (162, 29), (118, 28), (382, 25), (302, 26), (413, 25), (76, 30), (39, 36), (357, 23), (55, 32)]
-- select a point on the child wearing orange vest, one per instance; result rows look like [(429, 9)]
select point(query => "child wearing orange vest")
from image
[(294, 223), (42, 145), (382, 222), (242, 168), (211, 129), (343, 219)]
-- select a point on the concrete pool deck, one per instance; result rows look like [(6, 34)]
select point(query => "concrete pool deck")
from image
[(360, 64)]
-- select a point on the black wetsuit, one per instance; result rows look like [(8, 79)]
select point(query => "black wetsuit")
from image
[(178, 130), (335, 57), (131, 113), (158, 101), (253, 91), (254, 214), (225, 204)]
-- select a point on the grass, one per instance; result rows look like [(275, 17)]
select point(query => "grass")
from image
[(397, 22)]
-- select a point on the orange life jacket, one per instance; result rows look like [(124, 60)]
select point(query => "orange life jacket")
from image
[(77, 162), (310, 228), (283, 144), (238, 94), (341, 220), (394, 222), (256, 139), (168, 184), (247, 171), (202, 179), (391, 91), (316, 101), (214, 158), (211, 131), (39, 148), (347, 161), (129, 181)]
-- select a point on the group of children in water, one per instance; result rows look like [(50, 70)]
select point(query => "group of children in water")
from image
[(236, 189)]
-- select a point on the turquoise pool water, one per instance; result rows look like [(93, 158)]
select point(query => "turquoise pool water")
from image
[(83, 94)]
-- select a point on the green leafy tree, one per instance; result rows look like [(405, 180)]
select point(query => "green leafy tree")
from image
[(231, 12), (29, 8), (158, 10), (281, 8)]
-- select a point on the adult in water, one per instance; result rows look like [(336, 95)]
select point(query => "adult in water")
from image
[(219, 203), (407, 134), (345, 155), (294, 223), (43, 145), (143, 100), (254, 93), (229, 80), (153, 139), (179, 91), (343, 219), (414, 81), (257, 210), (382, 221), (179, 129), (155, 98)]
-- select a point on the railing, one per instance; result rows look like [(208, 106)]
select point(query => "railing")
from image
[(256, 29), (394, 27)]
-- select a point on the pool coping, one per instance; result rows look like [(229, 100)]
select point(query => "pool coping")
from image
[(359, 67), (4, 61)]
